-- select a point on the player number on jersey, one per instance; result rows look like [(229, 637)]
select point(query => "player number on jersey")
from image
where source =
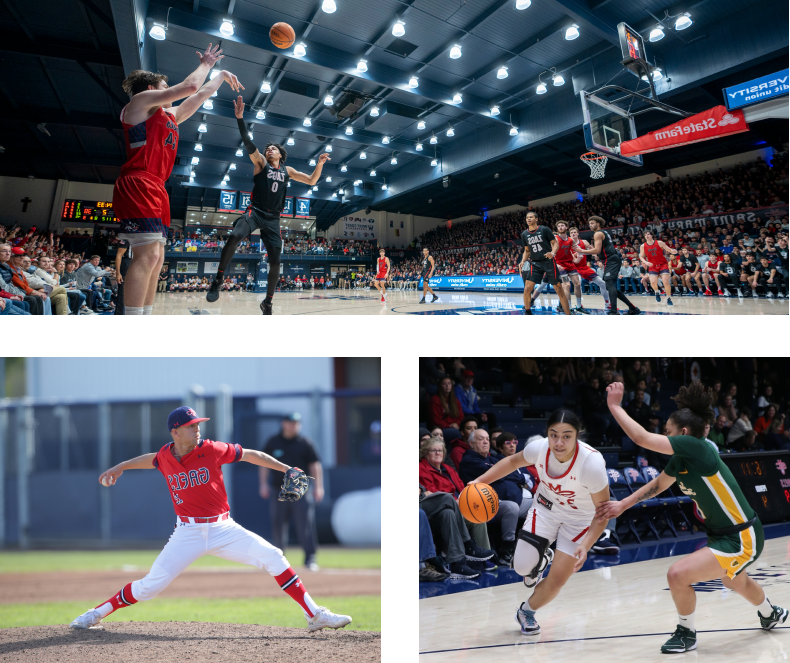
[(274, 186), (170, 140)]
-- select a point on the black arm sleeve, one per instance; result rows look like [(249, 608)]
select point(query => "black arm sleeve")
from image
[(245, 136)]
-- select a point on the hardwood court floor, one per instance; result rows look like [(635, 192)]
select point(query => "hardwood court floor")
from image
[(366, 302), (614, 614)]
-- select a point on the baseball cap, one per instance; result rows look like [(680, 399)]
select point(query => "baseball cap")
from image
[(292, 416), (468, 374), (18, 251), (183, 416)]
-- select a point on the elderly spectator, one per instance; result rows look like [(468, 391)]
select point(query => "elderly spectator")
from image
[(460, 446), (17, 282), (450, 530), (90, 273), (719, 431), (12, 295), (468, 398), (47, 272), (512, 505), (445, 410), (740, 427)]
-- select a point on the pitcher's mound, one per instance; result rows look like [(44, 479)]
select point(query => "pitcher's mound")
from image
[(187, 641)]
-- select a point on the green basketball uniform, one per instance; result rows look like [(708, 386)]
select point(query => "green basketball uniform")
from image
[(702, 475)]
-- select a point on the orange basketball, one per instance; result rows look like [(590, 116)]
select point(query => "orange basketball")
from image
[(282, 35), (478, 503)]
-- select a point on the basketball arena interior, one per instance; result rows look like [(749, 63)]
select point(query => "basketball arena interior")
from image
[(619, 604), (445, 121)]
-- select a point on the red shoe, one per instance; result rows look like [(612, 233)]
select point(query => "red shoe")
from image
[(708, 293), (721, 292)]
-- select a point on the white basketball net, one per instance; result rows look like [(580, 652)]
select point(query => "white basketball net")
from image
[(597, 164)]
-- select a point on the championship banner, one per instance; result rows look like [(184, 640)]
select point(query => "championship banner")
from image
[(359, 227), (712, 123)]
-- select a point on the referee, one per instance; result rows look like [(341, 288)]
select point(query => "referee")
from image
[(291, 448)]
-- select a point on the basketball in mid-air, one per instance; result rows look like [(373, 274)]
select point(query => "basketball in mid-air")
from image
[(282, 35), (478, 503)]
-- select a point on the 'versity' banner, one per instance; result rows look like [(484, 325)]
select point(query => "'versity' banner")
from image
[(359, 227), (712, 123)]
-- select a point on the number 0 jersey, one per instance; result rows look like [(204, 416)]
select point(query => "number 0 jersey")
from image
[(565, 489), (268, 192), (151, 146)]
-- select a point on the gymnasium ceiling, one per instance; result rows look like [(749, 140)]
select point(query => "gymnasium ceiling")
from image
[(64, 61)]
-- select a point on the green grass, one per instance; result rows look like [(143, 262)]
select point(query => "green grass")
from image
[(280, 611), (39, 561)]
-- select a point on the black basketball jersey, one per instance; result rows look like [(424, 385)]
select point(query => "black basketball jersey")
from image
[(539, 242), (426, 264), (608, 252), (268, 191)]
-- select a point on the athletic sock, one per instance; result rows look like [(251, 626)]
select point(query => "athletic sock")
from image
[(529, 607), (765, 608), (148, 310), (289, 582), (133, 310), (687, 621), (122, 599), (579, 301)]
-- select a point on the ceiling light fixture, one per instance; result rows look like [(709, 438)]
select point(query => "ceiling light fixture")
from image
[(541, 89), (198, 147), (558, 80), (363, 155), (684, 21), (572, 32), (329, 6), (208, 104), (373, 173), (362, 66), (357, 182), (195, 161), (434, 140), (455, 52), (328, 178), (502, 73), (523, 4), (290, 140), (414, 82), (328, 148), (457, 98), (386, 140), (312, 162), (307, 122), (421, 125), (261, 115), (494, 111), (349, 130), (232, 166), (374, 112), (657, 33), (300, 50), (266, 87), (434, 162), (226, 28), (418, 146), (239, 153), (157, 32), (451, 131), (344, 168), (399, 29), (328, 101), (394, 160)]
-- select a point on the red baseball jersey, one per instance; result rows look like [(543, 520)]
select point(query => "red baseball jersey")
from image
[(563, 256), (151, 146), (655, 255), (196, 484)]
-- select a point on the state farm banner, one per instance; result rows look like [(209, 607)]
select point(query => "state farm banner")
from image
[(712, 123), (359, 227)]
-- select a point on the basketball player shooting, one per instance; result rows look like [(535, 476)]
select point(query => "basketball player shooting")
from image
[(270, 180), (192, 467), (141, 204)]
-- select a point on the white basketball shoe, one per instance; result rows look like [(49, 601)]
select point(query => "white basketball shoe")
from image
[(326, 619), (90, 619)]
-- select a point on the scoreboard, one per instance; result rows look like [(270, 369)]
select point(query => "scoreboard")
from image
[(88, 210), (764, 478)]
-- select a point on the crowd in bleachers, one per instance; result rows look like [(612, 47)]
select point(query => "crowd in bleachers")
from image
[(474, 412), (492, 246)]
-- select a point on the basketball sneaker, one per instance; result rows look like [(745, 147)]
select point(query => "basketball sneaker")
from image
[(435, 299), (778, 616), (708, 293), (266, 307), (604, 544), (669, 301), (754, 294), (634, 311), (526, 620), (682, 640), (726, 293), (581, 309), (383, 299), (769, 295), (740, 294), (92, 619), (721, 292), (323, 618), (658, 297), (422, 301), (537, 573), (475, 553), (213, 291), (460, 571)]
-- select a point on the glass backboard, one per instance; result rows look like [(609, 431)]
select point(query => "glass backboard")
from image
[(606, 126)]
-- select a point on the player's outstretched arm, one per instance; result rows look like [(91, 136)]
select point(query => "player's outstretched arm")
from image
[(144, 462), (263, 460), (658, 443), (304, 178), (612, 508), (502, 469), (190, 105)]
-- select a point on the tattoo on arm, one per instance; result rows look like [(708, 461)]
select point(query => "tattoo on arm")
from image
[(648, 494)]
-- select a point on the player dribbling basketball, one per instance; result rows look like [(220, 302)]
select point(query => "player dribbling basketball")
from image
[(382, 274), (735, 534), (573, 482)]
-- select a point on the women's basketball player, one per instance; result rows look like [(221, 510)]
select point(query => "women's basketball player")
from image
[(382, 274), (140, 200), (573, 483), (735, 534)]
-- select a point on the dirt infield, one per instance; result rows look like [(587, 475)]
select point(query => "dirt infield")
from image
[(131, 642), (203, 583)]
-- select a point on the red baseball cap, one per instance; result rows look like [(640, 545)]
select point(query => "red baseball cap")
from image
[(18, 252), (468, 374), (183, 416)]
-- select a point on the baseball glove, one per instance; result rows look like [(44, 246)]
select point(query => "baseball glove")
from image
[(294, 486)]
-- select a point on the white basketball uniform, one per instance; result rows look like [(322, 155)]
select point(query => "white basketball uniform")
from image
[(563, 508)]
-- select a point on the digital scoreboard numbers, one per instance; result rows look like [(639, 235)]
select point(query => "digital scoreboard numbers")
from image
[(764, 478), (88, 210)]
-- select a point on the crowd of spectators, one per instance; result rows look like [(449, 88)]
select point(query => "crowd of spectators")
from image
[(461, 440), (492, 246)]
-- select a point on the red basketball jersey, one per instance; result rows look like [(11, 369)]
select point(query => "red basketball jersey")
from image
[(713, 263), (563, 256), (382, 266), (196, 484), (655, 255), (151, 146), (583, 261)]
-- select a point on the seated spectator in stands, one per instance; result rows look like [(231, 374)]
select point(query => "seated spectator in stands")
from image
[(425, 435), (747, 442), (494, 433), (460, 446), (763, 423), (468, 398), (600, 423), (765, 400), (24, 279), (643, 386), (475, 462), (777, 436), (727, 408), (438, 477), (33, 299), (428, 562), (437, 432), (90, 272), (719, 431), (740, 427), (506, 446), (638, 410), (445, 410), (46, 272)]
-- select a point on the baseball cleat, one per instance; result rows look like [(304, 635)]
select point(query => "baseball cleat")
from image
[(326, 619), (90, 619)]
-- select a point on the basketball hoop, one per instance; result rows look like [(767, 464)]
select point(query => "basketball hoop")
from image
[(597, 164)]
